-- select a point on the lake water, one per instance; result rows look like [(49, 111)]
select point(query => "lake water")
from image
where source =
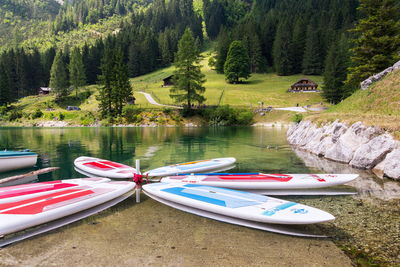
[(256, 150)]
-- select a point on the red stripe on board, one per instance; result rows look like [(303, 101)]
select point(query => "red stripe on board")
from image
[(28, 185), (45, 201), (114, 164), (97, 165), (33, 190), (272, 177)]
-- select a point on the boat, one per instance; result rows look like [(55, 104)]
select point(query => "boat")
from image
[(14, 160), (22, 214), (192, 167), (261, 181), (21, 192), (237, 204), (104, 168)]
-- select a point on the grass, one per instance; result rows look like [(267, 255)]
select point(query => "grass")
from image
[(378, 105), (268, 88)]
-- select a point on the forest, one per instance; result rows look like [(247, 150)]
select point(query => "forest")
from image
[(315, 37)]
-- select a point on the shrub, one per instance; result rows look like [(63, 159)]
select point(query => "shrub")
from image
[(87, 119), (14, 115), (61, 116), (226, 115), (36, 114), (131, 113), (297, 117)]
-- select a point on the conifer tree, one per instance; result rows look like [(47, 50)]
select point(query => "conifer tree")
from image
[(377, 43), (58, 76), (77, 70), (224, 41), (282, 49), (106, 80), (335, 72), (121, 87), (5, 94), (188, 79), (237, 64), (312, 60)]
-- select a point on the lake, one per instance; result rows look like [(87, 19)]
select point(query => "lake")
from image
[(256, 149)]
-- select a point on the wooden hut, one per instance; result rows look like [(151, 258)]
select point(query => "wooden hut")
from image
[(168, 81), (304, 85), (44, 90)]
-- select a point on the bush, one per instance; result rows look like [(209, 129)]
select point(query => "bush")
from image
[(225, 115), (37, 114), (14, 115), (61, 116), (297, 118), (87, 119), (132, 114)]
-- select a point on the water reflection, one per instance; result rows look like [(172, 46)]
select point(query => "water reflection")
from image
[(367, 185)]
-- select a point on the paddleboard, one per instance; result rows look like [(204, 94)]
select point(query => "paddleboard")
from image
[(104, 168), (61, 222), (238, 204), (21, 192), (275, 228), (23, 214), (192, 167), (258, 181)]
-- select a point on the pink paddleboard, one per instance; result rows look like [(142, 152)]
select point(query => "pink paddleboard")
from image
[(104, 168)]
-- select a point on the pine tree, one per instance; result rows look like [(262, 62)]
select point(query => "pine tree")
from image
[(313, 59), (77, 70), (224, 41), (377, 43), (188, 79), (5, 94), (298, 44), (58, 76), (106, 79), (282, 49), (237, 64), (335, 72), (121, 87)]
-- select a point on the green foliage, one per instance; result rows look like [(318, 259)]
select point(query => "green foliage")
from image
[(188, 79), (14, 114), (76, 70), (87, 119), (281, 49), (237, 64), (58, 76), (61, 116), (131, 113), (37, 114), (298, 117), (377, 41), (226, 115), (335, 72)]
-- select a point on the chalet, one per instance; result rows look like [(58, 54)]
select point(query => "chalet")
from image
[(304, 85), (168, 81), (44, 90)]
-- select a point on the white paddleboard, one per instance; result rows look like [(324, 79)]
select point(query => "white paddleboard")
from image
[(192, 167), (19, 215), (104, 168), (238, 204), (275, 228), (21, 192), (261, 181)]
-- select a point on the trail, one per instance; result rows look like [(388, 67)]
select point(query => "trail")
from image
[(153, 102)]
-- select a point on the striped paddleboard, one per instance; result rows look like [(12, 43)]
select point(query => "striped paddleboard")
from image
[(104, 168)]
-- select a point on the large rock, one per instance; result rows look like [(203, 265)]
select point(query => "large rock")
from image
[(379, 76), (343, 150), (392, 164), (373, 152), (330, 136)]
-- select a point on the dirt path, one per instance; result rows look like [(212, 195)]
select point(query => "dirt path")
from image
[(152, 234), (153, 102)]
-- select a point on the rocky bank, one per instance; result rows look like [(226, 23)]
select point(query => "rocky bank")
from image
[(357, 145)]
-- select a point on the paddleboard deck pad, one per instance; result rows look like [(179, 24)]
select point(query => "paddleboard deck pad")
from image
[(275, 228), (21, 192), (238, 204), (261, 181), (104, 168), (62, 222), (192, 167), (23, 214)]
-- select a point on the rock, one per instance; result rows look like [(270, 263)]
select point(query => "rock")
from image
[(373, 152), (378, 170), (374, 78), (392, 164), (350, 141)]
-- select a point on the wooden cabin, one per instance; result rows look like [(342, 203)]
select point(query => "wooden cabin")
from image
[(304, 85), (168, 81), (44, 90)]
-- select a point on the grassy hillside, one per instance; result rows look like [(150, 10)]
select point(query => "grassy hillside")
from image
[(379, 105), (268, 88)]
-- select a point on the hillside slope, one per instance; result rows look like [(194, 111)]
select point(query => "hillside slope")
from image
[(379, 105)]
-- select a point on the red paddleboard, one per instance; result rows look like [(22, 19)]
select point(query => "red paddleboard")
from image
[(19, 215), (21, 192), (257, 181), (104, 168)]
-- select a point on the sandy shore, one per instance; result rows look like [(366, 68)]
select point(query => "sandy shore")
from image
[(152, 234)]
